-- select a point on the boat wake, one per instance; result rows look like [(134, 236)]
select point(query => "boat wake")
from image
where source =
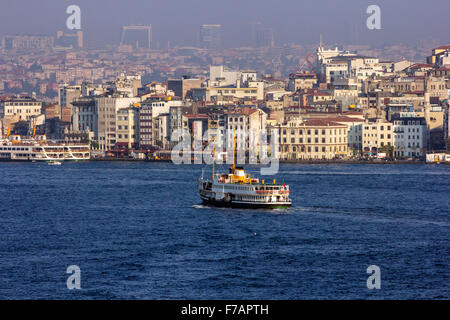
[(200, 206)]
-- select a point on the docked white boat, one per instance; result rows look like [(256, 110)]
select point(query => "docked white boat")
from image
[(35, 149)]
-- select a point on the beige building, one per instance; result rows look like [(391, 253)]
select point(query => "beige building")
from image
[(354, 122), (24, 108), (301, 81), (376, 135), (107, 108), (312, 139), (127, 130)]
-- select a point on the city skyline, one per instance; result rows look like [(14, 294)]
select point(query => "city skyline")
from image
[(291, 22)]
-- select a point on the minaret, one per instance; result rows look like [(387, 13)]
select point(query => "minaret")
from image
[(427, 107)]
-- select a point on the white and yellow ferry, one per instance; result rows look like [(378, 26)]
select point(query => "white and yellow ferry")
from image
[(238, 189)]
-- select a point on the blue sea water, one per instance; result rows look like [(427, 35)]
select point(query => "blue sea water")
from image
[(138, 231)]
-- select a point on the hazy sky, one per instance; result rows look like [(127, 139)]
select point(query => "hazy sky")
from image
[(178, 21)]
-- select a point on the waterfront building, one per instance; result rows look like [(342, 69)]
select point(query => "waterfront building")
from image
[(85, 115), (107, 108), (127, 131), (247, 124), (410, 136), (148, 117), (354, 122), (177, 122), (377, 134), (312, 139), (163, 128), (22, 107)]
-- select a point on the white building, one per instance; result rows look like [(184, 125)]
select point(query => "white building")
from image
[(220, 76), (410, 137), (246, 124)]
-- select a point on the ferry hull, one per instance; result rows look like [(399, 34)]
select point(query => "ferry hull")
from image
[(243, 205)]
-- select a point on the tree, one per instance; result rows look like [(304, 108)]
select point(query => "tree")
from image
[(389, 150), (94, 144)]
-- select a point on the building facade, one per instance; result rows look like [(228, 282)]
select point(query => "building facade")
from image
[(312, 139)]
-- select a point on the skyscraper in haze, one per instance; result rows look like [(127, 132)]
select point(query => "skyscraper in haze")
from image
[(264, 38), (210, 36), (66, 39), (136, 36)]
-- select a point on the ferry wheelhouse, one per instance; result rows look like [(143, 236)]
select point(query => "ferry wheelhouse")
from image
[(239, 189)]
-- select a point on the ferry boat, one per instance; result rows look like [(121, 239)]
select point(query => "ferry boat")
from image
[(39, 149), (240, 190)]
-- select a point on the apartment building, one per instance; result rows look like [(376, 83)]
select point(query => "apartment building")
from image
[(127, 131), (410, 136), (312, 139), (107, 108), (148, 118), (354, 131), (376, 134), (24, 108), (246, 124)]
